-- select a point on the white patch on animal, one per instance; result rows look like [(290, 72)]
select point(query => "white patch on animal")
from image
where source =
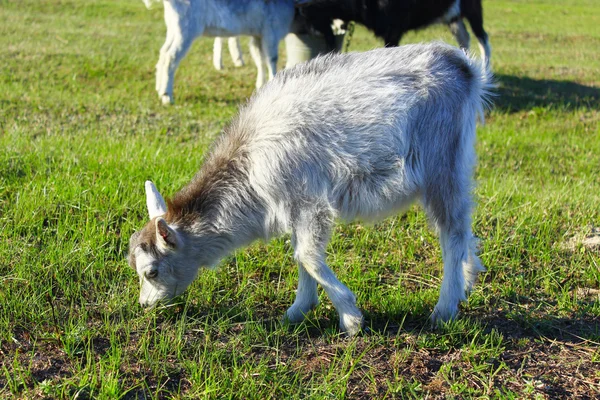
[(355, 136), (235, 51), (266, 21)]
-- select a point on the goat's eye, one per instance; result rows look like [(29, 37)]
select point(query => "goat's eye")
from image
[(153, 273)]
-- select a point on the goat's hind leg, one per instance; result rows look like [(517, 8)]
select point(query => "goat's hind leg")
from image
[(447, 200), (256, 54), (461, 267), (235, 50), (474, 14), (311, 234), (218, 53), (459, 30)]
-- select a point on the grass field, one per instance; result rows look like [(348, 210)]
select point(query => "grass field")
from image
[(81, 129)]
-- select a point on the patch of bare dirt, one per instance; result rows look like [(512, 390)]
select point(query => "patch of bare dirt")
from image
[(589, 239)]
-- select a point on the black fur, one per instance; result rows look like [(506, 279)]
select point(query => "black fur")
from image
[(388, 19)]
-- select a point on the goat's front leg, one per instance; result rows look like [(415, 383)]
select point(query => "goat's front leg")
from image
[(393, 36), (306, 297), (162, 60), (311, 234), (168, 63)]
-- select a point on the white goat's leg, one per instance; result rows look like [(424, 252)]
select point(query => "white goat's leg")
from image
[(235, 50), (256, 53), (344, 301), (473, 267), (448, 203), (173, 56), (162, 61), (455, 252), (486, 50), (217, 53), (311, 233), (459, 30), (270, 48), (306, 297)]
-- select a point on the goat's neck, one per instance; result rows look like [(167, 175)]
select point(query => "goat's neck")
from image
[(233, 219)]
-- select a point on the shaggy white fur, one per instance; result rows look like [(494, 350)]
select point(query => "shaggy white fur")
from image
[(355, 136)]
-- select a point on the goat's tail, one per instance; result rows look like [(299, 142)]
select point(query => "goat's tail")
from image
[(484, 84)]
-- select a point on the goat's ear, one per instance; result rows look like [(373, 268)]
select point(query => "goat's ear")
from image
[(154, 201), (165, 235)]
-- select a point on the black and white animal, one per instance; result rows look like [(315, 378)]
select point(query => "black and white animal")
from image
[(267, 22), (356, 136), (391, 19)]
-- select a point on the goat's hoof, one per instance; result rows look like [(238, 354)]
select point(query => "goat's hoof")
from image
[(351, 325), (296, 313), (166, 99), (443, 314), (238, 63), (218, 67), (293, 317)]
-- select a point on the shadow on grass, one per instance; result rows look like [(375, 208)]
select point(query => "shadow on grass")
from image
[(522, 93), (512, 325), (585, 328)]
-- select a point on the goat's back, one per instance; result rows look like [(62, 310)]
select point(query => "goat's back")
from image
[(242, 17), (361, 123)]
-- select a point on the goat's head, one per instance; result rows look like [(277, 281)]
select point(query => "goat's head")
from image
[(160, 255)]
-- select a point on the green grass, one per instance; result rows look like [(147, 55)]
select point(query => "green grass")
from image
[(81, 129)]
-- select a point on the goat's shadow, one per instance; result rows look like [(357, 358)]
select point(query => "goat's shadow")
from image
[(512, 325), (521, 93)]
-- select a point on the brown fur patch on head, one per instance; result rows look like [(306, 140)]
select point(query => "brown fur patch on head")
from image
[(146, 240), (225, 168)]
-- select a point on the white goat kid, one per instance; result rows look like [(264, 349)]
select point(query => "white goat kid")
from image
[(355, 136), (266, 21), (235, 51)]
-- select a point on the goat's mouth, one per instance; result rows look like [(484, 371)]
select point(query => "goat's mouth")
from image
[(150, 305), (161, 301), (155, 300), (153, 297)]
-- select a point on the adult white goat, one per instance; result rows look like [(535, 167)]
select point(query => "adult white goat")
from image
[(266, 21), (346, 136)]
